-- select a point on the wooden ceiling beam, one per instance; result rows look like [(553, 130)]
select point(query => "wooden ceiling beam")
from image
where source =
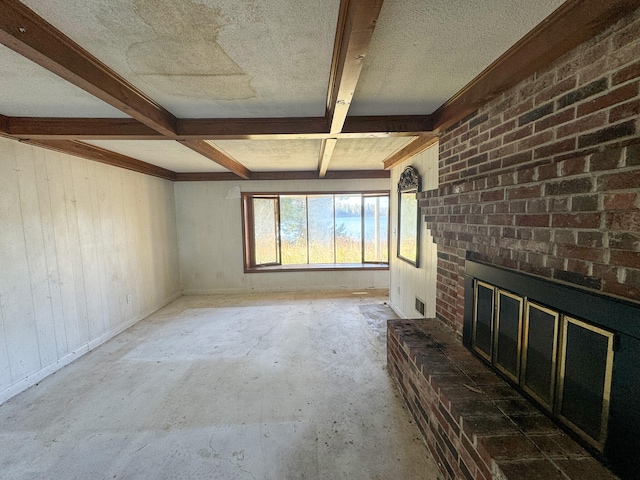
[(22, 30), (356, 22), (413, 148), (56, 128), (252, 128), (283, 175), (34, 38), (60, 128), (326, 152), (97, 154), (205, 149), (571, 24)]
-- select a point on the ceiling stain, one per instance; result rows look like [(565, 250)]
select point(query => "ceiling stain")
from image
[(185, 58)]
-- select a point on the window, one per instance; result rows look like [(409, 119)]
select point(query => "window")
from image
[(409, 216), (315, 231)]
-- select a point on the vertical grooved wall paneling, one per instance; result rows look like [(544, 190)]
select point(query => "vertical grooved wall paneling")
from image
[(77, 238)]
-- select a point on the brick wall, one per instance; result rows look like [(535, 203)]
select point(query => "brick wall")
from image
[(545, 179)]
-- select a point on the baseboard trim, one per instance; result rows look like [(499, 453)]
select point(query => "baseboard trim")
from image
[(44, 372)]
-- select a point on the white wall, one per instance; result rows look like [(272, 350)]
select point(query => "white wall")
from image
[(210, 239), (76, 238), (407, 281)]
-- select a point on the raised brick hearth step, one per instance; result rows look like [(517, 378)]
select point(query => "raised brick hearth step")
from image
[(474, 423)]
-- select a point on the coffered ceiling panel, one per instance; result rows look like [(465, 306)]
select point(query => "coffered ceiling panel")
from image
[(273, 155), (163, 153), (422, 52), (28, 90), (364, 153), (210, 58)]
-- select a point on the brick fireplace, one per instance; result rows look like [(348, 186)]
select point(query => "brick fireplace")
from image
[(545, 179)]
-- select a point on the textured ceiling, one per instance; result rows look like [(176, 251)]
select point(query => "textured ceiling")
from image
[(230, 59), (210, 58), (163, 153), (28, 90), (273, 155), (424, 52)]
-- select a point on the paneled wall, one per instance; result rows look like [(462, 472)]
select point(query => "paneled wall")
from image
[(407, 281), (545, 179), (86, 250), (210, 239)]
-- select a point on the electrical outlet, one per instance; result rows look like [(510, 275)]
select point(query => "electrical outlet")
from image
[(128, 298)]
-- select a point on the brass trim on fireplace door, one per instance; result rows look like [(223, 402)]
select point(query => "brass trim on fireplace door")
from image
[(496, 334), (606, 392), (486, 355), (554, 355)]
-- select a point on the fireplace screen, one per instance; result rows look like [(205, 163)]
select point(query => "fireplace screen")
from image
[(584, 383), (563, 363)]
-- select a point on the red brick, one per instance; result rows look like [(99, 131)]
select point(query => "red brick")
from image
[(546, 172), (533, 469), (626, 110), (582, 125), (624, 258), (571, 186), (554, 120), (585, 203), (524, 192), (621, 201), (558, 147), (538, 205), (625, 241), (573, 166), (469, 153), (579, 220), (507, 447), (518, 134), (619, 181), (582, 253), (630, 72), (584, 469), (492, 195), (516, 159), (518, 110), (555, 90), (490, 145), (535, 140), (590, 239), (614, 97), (626, 221), (533, 220)]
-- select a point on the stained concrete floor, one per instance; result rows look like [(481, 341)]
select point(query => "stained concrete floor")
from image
[(294, 387)]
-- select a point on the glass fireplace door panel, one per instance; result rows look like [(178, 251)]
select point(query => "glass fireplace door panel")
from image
[(507, 335), (539, 353), (483, 320), (585, 378)]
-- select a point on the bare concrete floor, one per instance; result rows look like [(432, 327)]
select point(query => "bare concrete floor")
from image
[(294, 387)]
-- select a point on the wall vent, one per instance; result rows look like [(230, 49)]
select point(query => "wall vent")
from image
[(420, 306)]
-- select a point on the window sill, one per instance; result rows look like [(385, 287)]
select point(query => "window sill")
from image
[(319, 267)]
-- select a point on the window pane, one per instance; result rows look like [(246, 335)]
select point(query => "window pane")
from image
[(321, 229), (348, 229), (293, 228), (265, 230), (376, 229), (408, 236)]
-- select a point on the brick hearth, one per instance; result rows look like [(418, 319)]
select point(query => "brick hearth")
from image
[(475, 424)]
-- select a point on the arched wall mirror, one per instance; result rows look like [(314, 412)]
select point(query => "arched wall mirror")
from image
[(409, 216)]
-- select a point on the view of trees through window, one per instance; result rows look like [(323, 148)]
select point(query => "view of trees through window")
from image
[(321, 229)]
